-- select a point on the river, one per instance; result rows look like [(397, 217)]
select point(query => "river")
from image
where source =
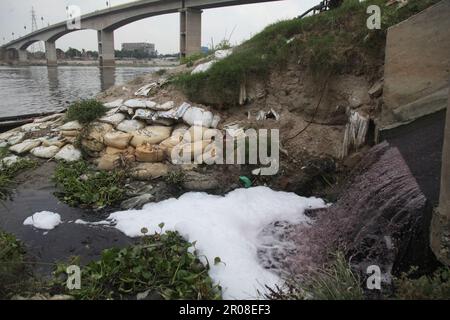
[(35, 89)]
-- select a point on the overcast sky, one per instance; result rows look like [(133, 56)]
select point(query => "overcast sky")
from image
[(161, 30)]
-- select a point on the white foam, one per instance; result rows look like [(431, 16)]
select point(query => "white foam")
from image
[(225, 227), (44, 220)]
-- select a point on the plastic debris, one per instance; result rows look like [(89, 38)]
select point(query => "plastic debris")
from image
[(245, 181)]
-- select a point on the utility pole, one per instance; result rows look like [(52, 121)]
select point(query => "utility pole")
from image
[(34, 27)]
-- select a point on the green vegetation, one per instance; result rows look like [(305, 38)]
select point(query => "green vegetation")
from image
[(435, 286), (12, 266), (161, 266), (85, 111), (190, 60), (81, 185), (334, 282), (175, 177), (8, 173), (330, 42)]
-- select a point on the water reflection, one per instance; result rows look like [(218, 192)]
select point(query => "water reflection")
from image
[(35, 89)]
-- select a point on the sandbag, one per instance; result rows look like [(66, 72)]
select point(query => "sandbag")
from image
[(196, 133), (117, 139), (113, 119), (45, 152), (25, 146), (108, 162), (130, 125), (198, 117), (151, 135), (72, 125), (185, 153), (149, 153), (68, 153), (114, 104)]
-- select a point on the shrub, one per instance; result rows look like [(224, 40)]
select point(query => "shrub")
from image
[(85, 111), (433, 287), (81, 185), (161, 266)]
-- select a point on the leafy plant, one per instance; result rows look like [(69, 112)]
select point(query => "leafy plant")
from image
[(434, 287), (85, 111), (81, 185), (161, 266)]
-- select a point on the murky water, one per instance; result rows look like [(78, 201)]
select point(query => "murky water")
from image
[(35, 89)]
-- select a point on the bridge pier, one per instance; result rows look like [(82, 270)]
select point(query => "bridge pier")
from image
[(106, 55), (190, 31), (50, 54), (23, 55)]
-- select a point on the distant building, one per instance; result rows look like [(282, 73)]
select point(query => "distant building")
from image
[(144, 47)]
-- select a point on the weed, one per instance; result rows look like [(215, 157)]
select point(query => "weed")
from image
[(12, 267), (175, 177), (434, 287), (85, 111), (191, 59), (332, 42), (162, 266), (8, 173), (334, 282), (81, 185)]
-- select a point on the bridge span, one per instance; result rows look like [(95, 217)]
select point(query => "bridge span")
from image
[(107, 20)]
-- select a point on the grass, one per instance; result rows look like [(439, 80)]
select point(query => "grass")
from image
[(85, 111), (428, 287), (161, 266), (332, 42), (336, 281), (7, 174), (81, 185), (12, 266), (191, 59)]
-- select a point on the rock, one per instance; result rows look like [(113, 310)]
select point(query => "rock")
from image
[(151, 135), (149, 171), (130, 125), (70, 126), (137, 202), (25, 146), (117, 139), (149, 153), (114, 119), (108, 162), (45, 152), (194, 181), (68, 153), (198, 117), (377, 90), (114, 104)]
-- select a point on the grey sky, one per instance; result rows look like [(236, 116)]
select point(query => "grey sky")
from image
[(162, 30)]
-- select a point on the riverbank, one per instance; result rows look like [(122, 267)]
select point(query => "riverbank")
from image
[(157, 63)]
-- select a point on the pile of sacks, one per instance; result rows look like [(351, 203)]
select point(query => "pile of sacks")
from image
[(138, 132), (51, 144), (141, 132)]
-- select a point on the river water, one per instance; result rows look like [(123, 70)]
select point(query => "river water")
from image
[(35, 89)]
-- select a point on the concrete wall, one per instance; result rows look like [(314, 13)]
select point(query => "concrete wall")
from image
[(417, 67), (440, 226)]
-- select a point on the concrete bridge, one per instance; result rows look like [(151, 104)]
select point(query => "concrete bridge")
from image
[(108, 20)]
